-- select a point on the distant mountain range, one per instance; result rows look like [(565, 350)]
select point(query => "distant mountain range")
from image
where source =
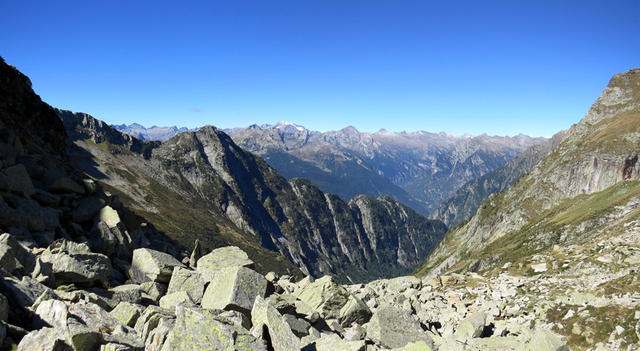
[(151, 133), (419, 169)]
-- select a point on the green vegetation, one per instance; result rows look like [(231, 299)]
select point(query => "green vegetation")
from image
[(591, 325), (543, 231)]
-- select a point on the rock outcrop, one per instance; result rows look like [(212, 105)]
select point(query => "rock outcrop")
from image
[(571, 225)]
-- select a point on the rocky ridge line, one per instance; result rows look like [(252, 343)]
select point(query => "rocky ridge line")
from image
[(358, 241)]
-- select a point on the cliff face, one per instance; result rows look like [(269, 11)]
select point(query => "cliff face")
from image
[(598, 153), (24, 114), (240, 199), (466, 201), (419, 169)]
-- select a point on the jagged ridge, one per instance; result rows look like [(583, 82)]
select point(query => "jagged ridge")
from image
[(318, 232)]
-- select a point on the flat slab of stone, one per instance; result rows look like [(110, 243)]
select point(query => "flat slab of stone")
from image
[(539, 267), (199, 330), (127, 313), (234, 288), (151, 265), (77, 267), (393, 327), (170, 301), (221, 258)]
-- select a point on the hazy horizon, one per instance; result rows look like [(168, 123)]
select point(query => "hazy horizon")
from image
[(500, 68), (381, 129)]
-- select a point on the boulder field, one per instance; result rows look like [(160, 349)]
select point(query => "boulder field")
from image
[(219, 302)]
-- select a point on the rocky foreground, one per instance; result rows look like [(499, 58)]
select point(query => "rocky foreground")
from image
[(217, 302)]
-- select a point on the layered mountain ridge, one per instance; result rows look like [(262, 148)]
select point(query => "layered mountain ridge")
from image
[(420, 169), (468, 198), (151, 133), (243, 197), (597, 153)]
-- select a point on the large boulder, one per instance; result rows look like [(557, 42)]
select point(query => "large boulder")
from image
[(51, 313), (109, 216), (127, 313), (197, 329), (393, 327), (38, 218), (92, 315), (263, 314), (472, 326), (15, 257), (21, 294), (17, 180), (45, 339), (89, 318), (545, 340), (151, 265), (125, 293), (109, 234), (170, 301), (332, 342), (332, 301), (65, 185), (221, 258), (188, 281), (75, 263), (234, 288)]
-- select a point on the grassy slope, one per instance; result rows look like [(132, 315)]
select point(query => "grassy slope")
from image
[(610, 136), (181, 218)]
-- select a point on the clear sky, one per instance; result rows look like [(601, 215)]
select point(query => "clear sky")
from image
[(501, 67)]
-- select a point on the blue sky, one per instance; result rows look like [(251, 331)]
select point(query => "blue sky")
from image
[(500, 67)]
